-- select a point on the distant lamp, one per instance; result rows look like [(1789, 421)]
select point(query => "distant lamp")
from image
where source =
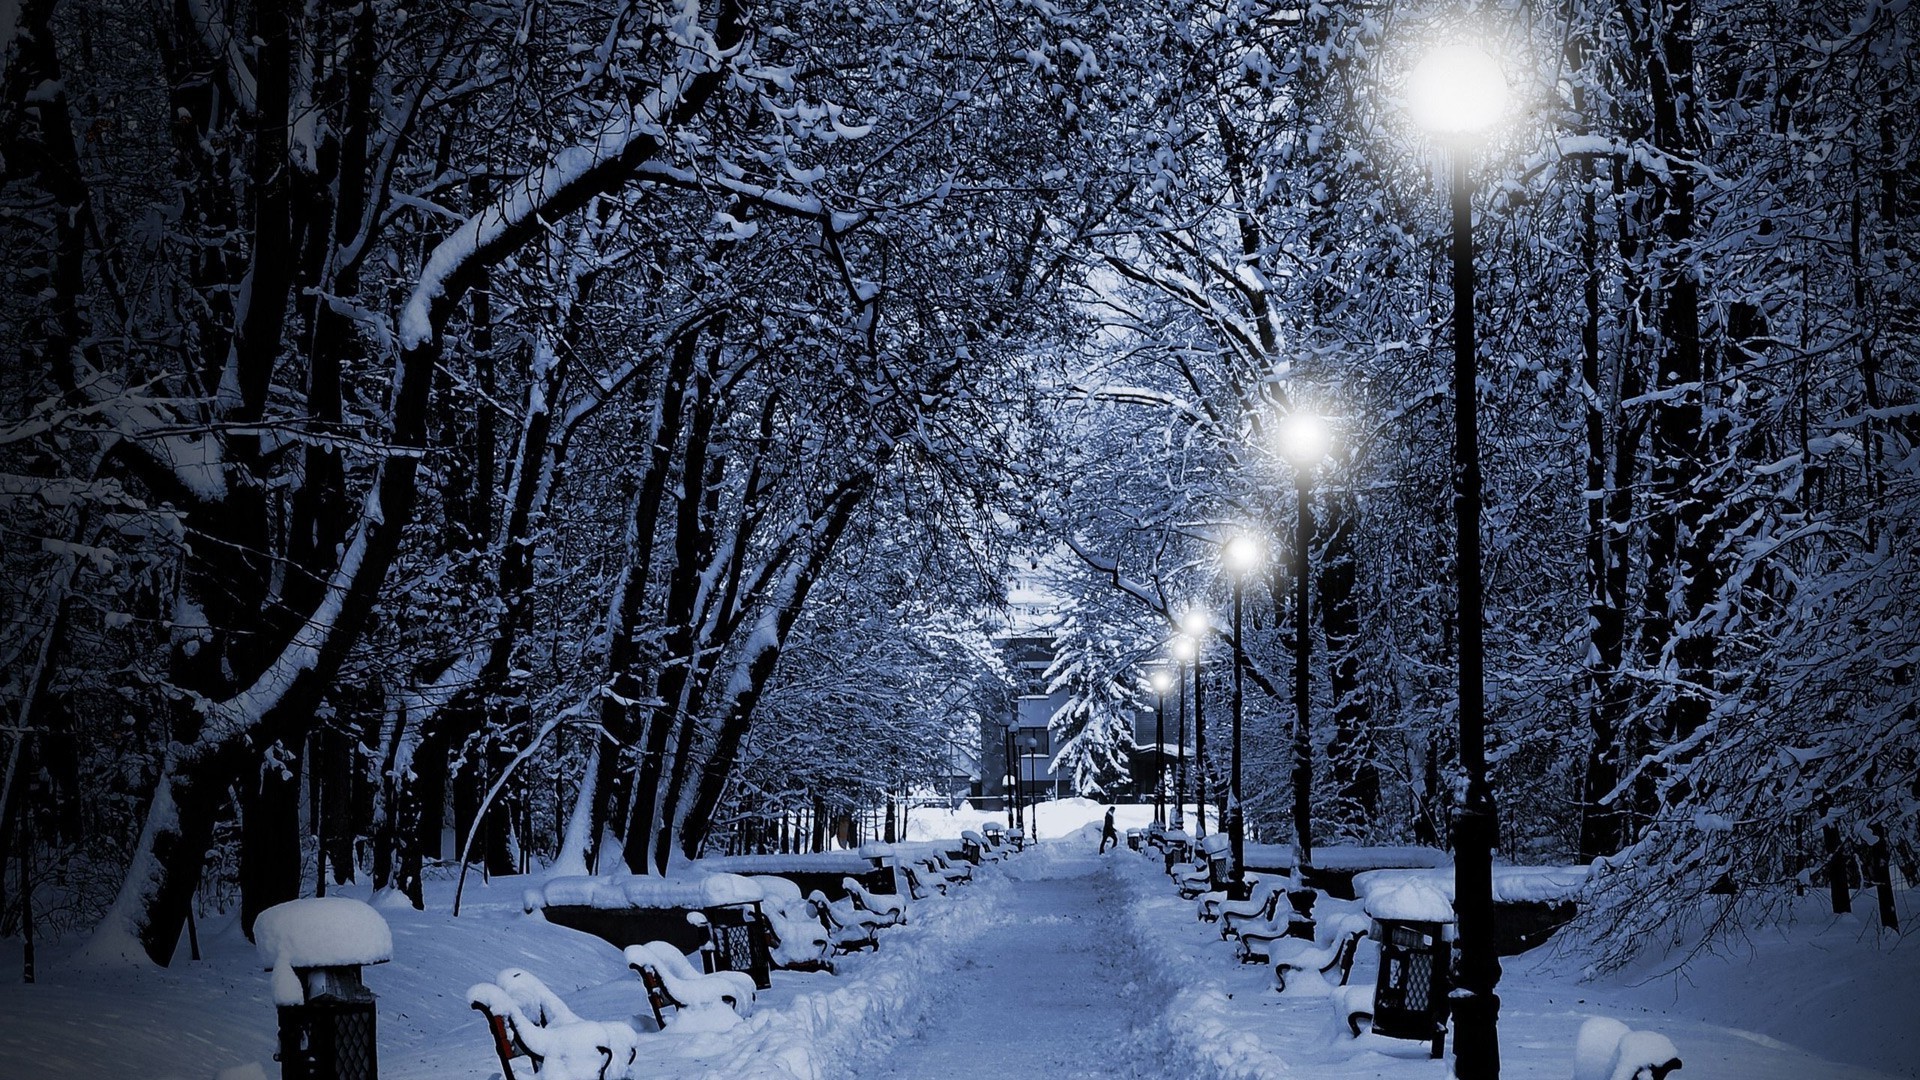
[(1182, 648), (1457, 90), (1243, 554), (1161, 682), (1197, 623), (1304, 439)]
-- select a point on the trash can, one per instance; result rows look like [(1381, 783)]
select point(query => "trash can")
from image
[(315, 949), (1133, 839), (1413, 924), (736, 941), (328, 1038)]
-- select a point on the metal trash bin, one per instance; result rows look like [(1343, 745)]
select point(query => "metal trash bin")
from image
[(315, 949), (1133, 839), (736, 941), (1410, 998), (328, 1038)]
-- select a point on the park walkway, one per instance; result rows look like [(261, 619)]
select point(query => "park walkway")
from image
[(1054, 992)]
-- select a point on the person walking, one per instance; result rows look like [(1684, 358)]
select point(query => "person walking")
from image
[(1107, 835)]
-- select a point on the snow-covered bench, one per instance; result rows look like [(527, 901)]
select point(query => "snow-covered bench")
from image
[(939, 869), (848, 928), (978, 849), (672, 982), (891, 910), (1256, 939), (1256, 908), (1296, 957), (1209, 870), (796, 938), (527, 1020), (920, 884)]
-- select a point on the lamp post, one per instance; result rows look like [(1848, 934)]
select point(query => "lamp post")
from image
[(1183, 653), (1243, 558), (1196, 624), (1161, 682), (1304, 440), (1013, 772), (1457, 92)]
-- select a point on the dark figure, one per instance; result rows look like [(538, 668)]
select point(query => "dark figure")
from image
[(1107, 834)]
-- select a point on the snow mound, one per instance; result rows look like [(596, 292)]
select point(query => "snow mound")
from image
[(1607, 1049), (318, 932), (322, 931), (626, 891), (1412, 899), (1511, 884)]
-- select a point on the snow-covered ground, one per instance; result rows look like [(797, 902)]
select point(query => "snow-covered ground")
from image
[(1057, 963)]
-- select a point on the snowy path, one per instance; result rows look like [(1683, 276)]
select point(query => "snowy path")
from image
[(1054, 991)]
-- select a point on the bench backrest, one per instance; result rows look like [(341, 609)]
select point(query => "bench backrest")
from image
[(657, 996), (506, 1041), (1343, 957)]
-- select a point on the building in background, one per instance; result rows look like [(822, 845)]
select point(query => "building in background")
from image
[(1023, 724)]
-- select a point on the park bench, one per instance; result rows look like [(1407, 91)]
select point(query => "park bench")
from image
[(975, 849), (920, 884), (1255, 939), (1211, 875), (673, 983), (1290, 955), (796, 940), (939, 869), (1192, 880), (848, 928), (890, 910), (1258, 907), (526, 1020)]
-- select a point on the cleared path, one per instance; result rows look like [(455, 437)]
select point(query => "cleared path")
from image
[(1053, 993)]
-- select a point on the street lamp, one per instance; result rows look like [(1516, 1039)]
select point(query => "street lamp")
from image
[(1303, 438), (1162, 682), (1197, 623), (1243, 557), (1183, 651), (1457, 92), (1013, 774)]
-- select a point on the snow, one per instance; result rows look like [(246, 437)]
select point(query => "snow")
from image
[(1273, 856), (1511, 884), (525, 198), (1055, 962), (1374, 858), (614, 891), (1413, 899), (323, 931), (825, 862), (1607, 1049)]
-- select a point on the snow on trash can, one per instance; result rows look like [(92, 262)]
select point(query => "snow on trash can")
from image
[(315, 949), (1413, 922)]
